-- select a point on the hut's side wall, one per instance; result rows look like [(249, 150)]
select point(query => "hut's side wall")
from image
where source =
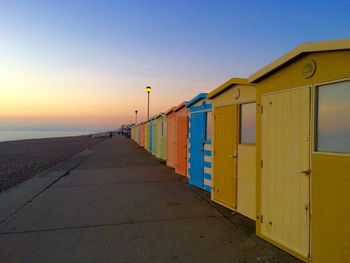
[(171, 139)]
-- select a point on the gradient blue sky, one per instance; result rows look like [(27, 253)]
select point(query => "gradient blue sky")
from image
[(86, 63)]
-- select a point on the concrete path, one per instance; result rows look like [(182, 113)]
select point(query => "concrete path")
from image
[(117, 203)]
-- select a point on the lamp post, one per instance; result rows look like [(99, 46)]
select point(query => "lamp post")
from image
[(148, 90), (136, 111)]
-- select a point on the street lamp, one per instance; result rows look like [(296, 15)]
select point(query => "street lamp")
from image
[(148, 90), (136, 111)]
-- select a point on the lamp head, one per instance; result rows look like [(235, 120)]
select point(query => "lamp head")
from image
[(148, 89)]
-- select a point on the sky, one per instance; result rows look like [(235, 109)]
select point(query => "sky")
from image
[(86, 63)]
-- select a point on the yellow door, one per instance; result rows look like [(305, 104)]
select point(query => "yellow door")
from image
[(225, 155), (285, 176)]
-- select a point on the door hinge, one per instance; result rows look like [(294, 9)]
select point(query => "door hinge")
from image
[(261, 219), (261, 109), (261, 164)]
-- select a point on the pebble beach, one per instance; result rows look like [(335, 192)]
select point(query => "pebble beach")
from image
[(20, 160)]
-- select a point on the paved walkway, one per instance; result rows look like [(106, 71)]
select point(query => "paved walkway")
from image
[(117, 203)]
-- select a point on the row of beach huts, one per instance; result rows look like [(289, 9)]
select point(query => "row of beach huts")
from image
[(274, 147)]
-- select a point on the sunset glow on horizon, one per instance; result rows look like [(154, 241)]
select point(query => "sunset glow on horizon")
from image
[(87, 63)]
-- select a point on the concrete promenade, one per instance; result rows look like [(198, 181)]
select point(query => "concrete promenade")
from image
[(117, 203)]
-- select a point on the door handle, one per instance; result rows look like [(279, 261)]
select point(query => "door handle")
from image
[(233, 156), (303, 171)]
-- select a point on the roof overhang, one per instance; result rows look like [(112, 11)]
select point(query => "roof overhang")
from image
[(158, 116), (228, 84), (309, 47), (170, 110), (200, 96), (180, 106)]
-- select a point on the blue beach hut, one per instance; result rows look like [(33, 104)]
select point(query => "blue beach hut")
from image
[(200, 131)]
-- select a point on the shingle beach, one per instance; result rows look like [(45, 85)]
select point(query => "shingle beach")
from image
[(20, 160)]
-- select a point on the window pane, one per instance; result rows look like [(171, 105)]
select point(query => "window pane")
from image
[(333, 118), (248, 123), (209, 126), (163, 128)]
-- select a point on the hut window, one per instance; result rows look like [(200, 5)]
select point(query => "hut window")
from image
[(163, 128), (333, 118), (209, 125), (248, 123)]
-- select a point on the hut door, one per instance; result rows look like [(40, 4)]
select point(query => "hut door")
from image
[(225, 155), (181, 133), (171, 133), (285, 174), (197, 137)]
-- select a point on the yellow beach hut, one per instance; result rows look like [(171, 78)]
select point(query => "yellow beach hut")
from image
[(146, 135), (234, 175), (303, 151), (134, 133), (159, 136), (142, 135)]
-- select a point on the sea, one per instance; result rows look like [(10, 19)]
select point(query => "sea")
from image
[(15, 134)]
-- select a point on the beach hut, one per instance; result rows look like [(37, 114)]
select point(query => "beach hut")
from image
[(153, 136), (146, 135), (159, 136), (150, 135), (234, 173), (133, 132), (142, 135), (199, 142), (138, 134), (303, 151), (171, 137), (181, 124)]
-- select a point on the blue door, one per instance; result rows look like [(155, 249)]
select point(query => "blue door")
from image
[(197, 137)]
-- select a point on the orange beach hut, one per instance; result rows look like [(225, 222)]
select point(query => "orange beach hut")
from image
[(171, 137), (181, 118)]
